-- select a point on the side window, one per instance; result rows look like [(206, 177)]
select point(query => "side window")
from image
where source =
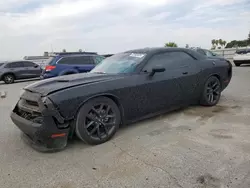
[(80, 60), (84, 60), (15, 65), (28, 64), (169, 60), (66, 61), (201, 52), (208, 53), (98, 59)]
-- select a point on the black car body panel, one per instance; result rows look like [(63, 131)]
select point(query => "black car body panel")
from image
[(137, 94), (39, 119)]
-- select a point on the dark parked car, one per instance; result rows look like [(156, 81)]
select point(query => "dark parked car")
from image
[(66, 63), (15, 70), (124, 88), (208, 53), (242, 56)]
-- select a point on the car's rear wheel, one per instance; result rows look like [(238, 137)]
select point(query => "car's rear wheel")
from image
[(97, 120), (9, 78), (212, 92), (237, 64)]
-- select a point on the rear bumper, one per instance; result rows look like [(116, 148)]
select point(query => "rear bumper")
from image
[(46, 75), (44, 134), (227, 79)]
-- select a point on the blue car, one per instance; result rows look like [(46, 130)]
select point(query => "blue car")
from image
[(70, 63)]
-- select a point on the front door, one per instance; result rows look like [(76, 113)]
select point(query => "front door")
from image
[(31, 70), (152, 94)]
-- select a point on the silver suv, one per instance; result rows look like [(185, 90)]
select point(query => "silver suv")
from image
[(15, 70)]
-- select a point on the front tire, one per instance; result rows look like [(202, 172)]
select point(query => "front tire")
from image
[(97, 120), (9, 78), (211, 92)]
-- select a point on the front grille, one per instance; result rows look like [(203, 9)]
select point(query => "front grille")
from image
[(29, 110), (32, 103), (31, 116)]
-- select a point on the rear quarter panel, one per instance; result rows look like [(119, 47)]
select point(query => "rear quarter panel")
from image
[(218, 67)]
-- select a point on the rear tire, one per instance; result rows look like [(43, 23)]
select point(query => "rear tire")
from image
[(237, 63), (97, 120), (9, 78), (211, 92)]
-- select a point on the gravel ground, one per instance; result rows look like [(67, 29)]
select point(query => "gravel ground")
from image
[(197, 147)]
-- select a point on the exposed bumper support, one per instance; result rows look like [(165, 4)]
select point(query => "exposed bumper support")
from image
[(43, 133)]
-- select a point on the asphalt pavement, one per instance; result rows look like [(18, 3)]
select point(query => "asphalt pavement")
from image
[(196, 147)]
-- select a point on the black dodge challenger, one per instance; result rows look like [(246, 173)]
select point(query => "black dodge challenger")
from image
[(124, 88)]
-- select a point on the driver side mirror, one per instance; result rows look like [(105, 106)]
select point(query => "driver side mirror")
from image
[(36, 66), (157, 69)]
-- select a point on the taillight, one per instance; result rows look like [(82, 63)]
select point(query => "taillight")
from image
[(49, 68)]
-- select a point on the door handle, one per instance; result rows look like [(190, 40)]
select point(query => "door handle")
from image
[(185, 73)]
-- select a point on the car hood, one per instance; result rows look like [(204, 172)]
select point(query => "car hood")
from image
[(52, 85)]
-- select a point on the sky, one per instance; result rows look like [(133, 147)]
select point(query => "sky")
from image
[(30, 27)]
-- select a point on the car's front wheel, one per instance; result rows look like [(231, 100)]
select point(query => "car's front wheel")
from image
[(211, 92), (97, 120), (9, 78)]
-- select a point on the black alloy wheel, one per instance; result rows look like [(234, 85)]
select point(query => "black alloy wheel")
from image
[(97, 120), (8, 78), (212, 92)]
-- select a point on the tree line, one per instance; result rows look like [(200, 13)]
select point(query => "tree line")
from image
[(231, 44), (219, 43)]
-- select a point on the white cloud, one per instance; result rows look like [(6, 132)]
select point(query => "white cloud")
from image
[(111, 26), (218, 3)]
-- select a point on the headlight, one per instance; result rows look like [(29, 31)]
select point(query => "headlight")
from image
[(21, 92)]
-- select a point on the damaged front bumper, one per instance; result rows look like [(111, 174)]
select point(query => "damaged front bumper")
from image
[(43, 126)]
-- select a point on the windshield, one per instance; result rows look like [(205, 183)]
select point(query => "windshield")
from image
[(119, 63)]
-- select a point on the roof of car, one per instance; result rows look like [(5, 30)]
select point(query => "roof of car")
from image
[(73, 53), (14, 61), (155, 50)]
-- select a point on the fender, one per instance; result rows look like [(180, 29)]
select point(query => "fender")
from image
[(109, 95)]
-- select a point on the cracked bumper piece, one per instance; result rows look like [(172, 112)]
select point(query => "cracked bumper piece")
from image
[(40, 124), (39, 136)]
